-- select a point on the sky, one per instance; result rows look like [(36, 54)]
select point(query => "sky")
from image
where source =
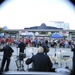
[(19, 14)]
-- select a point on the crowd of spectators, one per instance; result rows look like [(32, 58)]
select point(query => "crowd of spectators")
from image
[(64, 43)]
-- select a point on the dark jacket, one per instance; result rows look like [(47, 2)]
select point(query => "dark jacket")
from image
[(41, 62), (46, 48), (73, 50), (22, 47), (7, 51)]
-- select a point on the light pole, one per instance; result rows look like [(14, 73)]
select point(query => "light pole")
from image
[(55, 56), (32, 51)]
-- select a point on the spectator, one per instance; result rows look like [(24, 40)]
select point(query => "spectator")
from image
[(22, 46), (41, 61), (6, 56), (46, 47)]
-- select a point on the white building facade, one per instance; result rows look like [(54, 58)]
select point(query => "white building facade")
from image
[(60, 24)]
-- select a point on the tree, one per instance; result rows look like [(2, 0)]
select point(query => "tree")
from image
[(1, 30)]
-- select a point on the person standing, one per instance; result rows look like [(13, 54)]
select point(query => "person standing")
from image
[(22, 55), (7, 53), (73, 50), (22, 46), (45, 47)]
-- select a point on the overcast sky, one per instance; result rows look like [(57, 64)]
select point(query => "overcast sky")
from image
[(18, 14)]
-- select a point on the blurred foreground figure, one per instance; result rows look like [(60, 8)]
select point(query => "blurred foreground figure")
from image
[(7, 53), (41, 61), (73, 50)]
